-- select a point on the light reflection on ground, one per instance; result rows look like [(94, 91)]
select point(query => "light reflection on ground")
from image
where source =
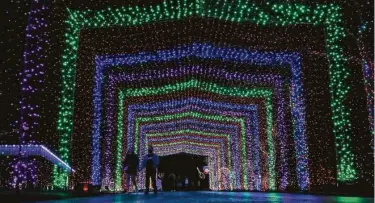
[(213, 197)]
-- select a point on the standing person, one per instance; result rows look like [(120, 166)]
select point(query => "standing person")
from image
[(172, 178), (131, 165), (178, 183), (151, 162)]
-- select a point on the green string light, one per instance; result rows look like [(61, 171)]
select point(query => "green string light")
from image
[(214, 88), (328, 16)]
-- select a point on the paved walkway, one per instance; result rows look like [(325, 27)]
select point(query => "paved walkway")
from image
[(213, 197)]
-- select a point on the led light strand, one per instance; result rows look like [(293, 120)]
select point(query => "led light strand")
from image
[(204, 51), (261, 78), (189, 138), (327, 15), (242, 93), (31, 83), (231, 114)]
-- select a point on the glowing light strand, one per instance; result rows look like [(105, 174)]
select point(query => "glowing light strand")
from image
[(327, 15), (172, 104), (31, 83), (185, 70)]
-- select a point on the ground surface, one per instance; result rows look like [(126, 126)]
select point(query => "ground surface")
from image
[(213, 197)]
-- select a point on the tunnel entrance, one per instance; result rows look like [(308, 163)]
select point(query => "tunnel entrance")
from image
[(183, 171)]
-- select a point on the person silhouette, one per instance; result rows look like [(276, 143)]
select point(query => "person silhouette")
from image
[(130, 166), (150, 162)]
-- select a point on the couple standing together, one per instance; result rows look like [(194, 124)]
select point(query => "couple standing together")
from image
[(150, 161)]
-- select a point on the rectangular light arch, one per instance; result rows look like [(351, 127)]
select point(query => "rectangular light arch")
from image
[(110, 118), (216, 112), (327, 15), (209, 51), (191, 139), (230, 129)]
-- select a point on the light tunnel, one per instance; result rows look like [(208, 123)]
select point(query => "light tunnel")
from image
[(259, 88)]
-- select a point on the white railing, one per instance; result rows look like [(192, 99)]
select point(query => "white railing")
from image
[(34, 150)]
